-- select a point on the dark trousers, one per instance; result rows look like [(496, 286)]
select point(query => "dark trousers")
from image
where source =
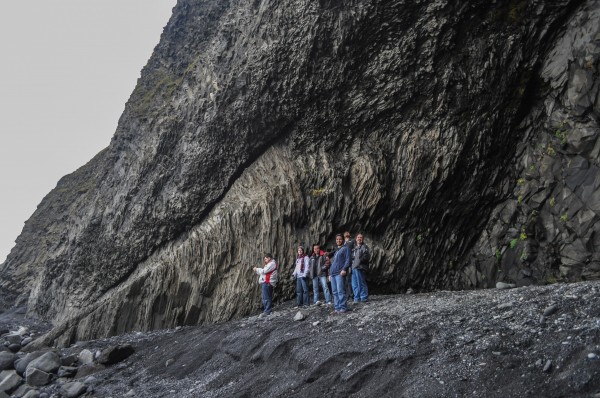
[(301, 291), (267, 297)]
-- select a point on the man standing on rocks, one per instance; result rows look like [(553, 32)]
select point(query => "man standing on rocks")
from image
[(268, 280), (361, 255), (337, 274), (318, 274), (301, 273)]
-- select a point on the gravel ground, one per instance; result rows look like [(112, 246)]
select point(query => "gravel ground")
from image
[(492, 343)]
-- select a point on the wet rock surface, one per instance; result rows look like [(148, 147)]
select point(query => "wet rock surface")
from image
[(439, 344)]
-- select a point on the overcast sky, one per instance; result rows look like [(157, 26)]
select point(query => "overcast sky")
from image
[(67, 67)]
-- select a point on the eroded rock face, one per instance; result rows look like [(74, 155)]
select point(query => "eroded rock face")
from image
[(257, 126)]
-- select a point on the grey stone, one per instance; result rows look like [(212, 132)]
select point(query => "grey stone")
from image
[(14, 347), (49, 362), (551, 310), (73, 389), (115, 354), (68, 360), (7, 360), (130, 393), (67, 371), (547, 366), (88, 369), (299, 316), (592, 355), (37, 378), (90, 380), (504, 286), (32, 394), (10, 381), (86, 357), (4, 395), (21, 363), (23, 390), (26, 341), (13, 338)]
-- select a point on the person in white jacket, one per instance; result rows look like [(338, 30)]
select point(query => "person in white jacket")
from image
[(301, 273), (268, 280)]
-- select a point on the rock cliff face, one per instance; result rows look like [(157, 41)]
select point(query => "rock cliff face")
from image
[(460, 137)]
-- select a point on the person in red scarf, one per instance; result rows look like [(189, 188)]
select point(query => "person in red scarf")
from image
[(301, 273)]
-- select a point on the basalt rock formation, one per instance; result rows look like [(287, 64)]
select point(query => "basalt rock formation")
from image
[(461, 138)]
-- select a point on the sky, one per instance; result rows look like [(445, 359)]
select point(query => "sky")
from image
[(67, 67)]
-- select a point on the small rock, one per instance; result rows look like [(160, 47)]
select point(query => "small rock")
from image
[(36, 377), (90, 380), (316, 323), (67, 371), (539, 362), (26, 341), (13, 338), (542, 320), (86, 357), (505, 306), (503, 286), (130, 393), (88, 369), (551, 310), (73, 389), (68, 360), (32, 394), (7, 360), (547, 366), (169, 362), (22, 390), (15, 347), (592, 355), (299, 316)]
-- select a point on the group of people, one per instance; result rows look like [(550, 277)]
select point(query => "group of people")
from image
[(350, 257)]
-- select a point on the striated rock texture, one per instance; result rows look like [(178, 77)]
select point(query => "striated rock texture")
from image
[(460, 137)]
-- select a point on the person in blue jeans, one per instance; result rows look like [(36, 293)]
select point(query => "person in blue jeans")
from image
[(342, 260), (318, 274), (301, 273), (267, 278), (361, 255)]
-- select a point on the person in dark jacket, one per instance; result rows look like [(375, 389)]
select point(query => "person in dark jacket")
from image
[(318, 274), (361, 255), (337, 274)]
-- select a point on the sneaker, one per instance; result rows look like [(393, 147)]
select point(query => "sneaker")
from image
[(262, 315), (329, 303), (334, 312), (295, 308), (342, 311), (318, 303)]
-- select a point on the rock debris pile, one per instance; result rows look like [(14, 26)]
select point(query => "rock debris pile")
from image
[(503, 342)]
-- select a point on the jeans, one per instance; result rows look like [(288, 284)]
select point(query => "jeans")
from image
[(359, 285), (301, 291), (267, 297), (323, 280), (339, 292)]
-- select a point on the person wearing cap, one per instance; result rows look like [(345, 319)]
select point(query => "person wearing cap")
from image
[(342, 260), (267, 278), (301, 273)]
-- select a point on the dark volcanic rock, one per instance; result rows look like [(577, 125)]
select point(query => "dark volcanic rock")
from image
[(461, 138), (115, 354)]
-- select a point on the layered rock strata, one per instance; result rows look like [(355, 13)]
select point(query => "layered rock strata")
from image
[(260, 125)]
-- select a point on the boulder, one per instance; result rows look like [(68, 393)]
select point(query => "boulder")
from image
[(10, 382), (88, 369), (49, 362), (37, 378), (21, 363), (115, 354), (7, 360)]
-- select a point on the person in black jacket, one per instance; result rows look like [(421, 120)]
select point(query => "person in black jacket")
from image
[(361, 255), (318, 273)]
